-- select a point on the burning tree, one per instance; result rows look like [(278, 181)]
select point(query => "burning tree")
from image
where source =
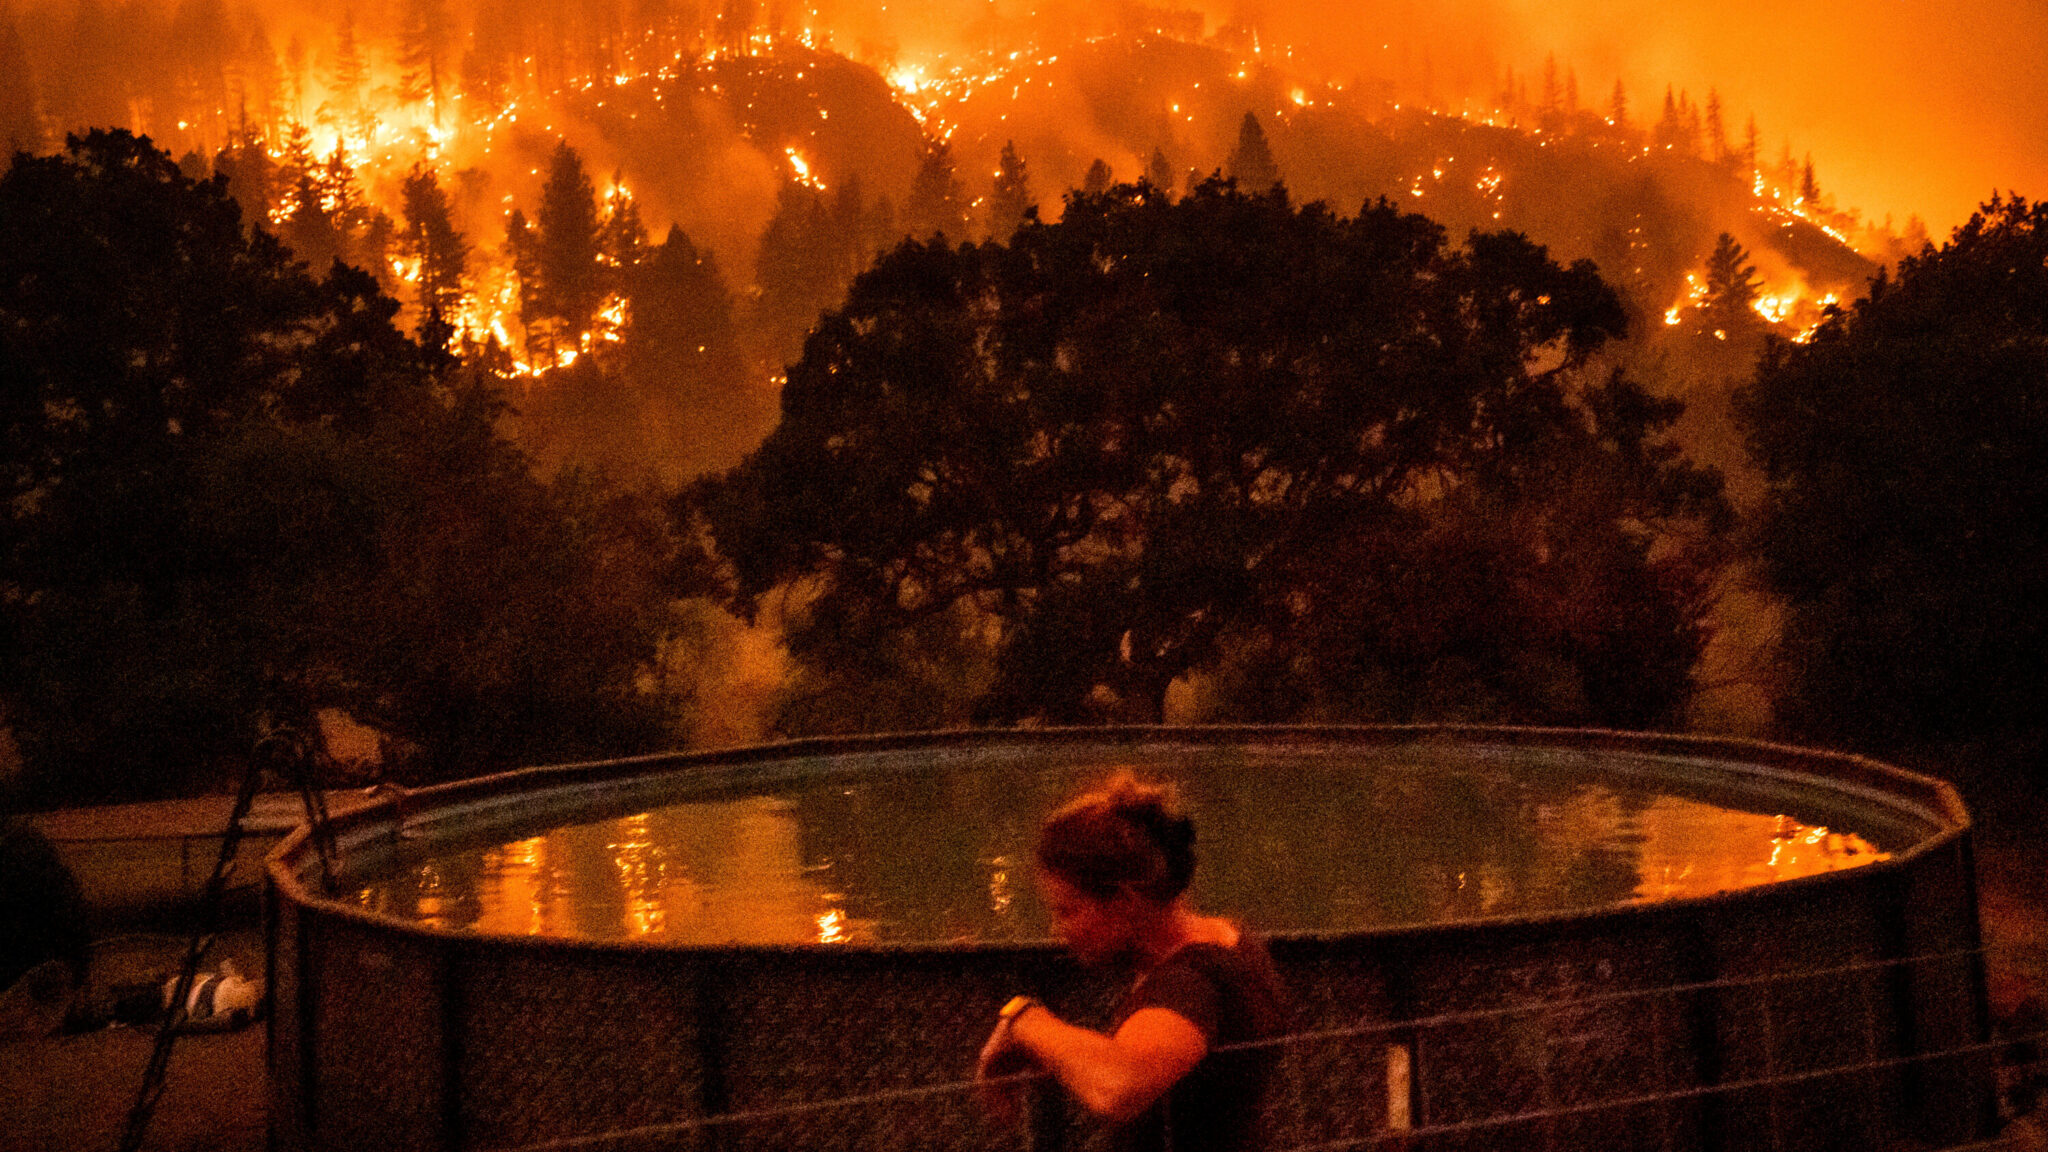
[(1336, 466)]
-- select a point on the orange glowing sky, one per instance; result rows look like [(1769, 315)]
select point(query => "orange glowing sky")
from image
[(1907, 106)]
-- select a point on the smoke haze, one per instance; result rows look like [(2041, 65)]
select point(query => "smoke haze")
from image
[(1907, 108)]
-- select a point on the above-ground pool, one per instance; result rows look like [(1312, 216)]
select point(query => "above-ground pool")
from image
[(925, 848), (1498, 938)]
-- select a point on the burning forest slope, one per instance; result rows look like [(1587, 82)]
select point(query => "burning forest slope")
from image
[(784, 166)]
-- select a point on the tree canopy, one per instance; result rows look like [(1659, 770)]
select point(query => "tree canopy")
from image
[(237, 496), (1335, 465), (1906, 452)]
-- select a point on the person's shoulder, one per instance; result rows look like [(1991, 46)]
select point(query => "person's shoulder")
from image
[(1248, 950), (1216, 962), (1245, 972), (1245, 963)]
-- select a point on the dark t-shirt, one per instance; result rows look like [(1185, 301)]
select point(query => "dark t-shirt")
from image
[(1233, 995)]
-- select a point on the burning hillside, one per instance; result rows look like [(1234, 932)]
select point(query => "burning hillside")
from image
[(788, 147)]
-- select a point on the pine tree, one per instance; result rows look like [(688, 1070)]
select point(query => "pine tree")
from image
[(1159, 173), (881, 233), (1727, 310), (488, 65), (799, 269), (425, 33), (348, 74), (260, 83), (1010, 196), (1716, 131), (1251, 162), (251, 174), (304, 216), (307, 226), (571, 281), (294, 166), (681, 360), (522, 248), (682, 306), (1550, 115), (1752, 145), (855, 226), (936, 204), (337, 222), (1098, 179), (295, 76), (1809, 189), (1669, 130), (349, 78), (431, 239), (1617, 106), (200, 45), (622, 238), (90, 89)]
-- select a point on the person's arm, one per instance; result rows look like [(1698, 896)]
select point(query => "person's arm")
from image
[(1119, 1076)]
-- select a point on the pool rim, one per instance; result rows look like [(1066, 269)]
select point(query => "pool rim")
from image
[(287, 868)]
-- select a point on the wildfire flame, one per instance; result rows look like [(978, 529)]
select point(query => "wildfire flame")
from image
[(378, 135), (802, 169)]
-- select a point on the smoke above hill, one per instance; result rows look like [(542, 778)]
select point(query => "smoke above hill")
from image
[(1909, 109)]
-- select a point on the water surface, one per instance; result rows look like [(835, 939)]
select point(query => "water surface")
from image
[(943, 853)]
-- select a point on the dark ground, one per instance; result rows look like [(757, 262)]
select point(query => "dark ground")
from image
[(64, 1093)]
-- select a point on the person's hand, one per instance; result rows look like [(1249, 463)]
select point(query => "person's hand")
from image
[(1002, 1059)]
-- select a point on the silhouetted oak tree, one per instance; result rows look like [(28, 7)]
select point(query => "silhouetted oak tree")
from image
[(1168, 437), (236, 496), (1906, 448)]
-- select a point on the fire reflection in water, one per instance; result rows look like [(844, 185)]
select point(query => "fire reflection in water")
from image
[(907, 860), (519, 904), (698, 873), (642, 865), (1696, 850)]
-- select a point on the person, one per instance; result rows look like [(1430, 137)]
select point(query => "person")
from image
[(1113, 867)]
